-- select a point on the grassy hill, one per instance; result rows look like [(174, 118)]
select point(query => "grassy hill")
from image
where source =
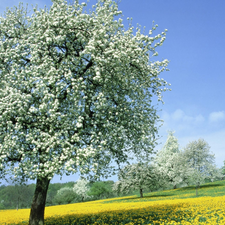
[(213, 189), (176, 206)]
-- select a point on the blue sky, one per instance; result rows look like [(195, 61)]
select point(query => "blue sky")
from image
[(195, 48)]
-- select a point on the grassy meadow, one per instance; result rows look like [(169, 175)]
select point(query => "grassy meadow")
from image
[(176, 206)]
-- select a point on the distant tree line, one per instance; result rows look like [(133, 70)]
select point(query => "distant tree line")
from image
[(18, 196)]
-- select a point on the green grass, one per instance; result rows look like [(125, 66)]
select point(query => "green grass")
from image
[(175, 211), (212, 189)]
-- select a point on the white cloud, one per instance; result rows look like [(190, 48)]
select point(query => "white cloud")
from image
[(216, 116), (192, 127), (180, 121), (178, 115), (199, 119)]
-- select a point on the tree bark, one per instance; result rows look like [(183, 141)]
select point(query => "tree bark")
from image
[(17, 206), (175, 186), (38, 204), (197, 186), (141, 193)]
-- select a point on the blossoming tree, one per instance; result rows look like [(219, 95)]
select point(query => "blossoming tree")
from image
[(172, 163), (223, 169), (76, 93), (81, 189), (199, 158), (139, 176)]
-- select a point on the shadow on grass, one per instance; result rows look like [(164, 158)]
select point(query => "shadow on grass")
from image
[(202, 186), (211, 185), (144, 197)]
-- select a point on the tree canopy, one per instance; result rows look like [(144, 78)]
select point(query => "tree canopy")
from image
[(172, 163), (139, 176), (199, 158), (76, 92), (77, 89)]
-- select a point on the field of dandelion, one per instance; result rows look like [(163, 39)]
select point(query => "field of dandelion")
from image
[(177, 206)]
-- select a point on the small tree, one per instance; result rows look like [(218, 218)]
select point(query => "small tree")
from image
[(65, 195), (138, 176), (199, 158), (171, 162), (81, 189), (223, 170), (100, 188)]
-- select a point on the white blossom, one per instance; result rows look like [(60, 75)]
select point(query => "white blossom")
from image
[(139, 176), (68, 92), (198, 157), (171, 162)]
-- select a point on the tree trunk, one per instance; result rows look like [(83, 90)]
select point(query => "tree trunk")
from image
[(38, 204), (141, 193), (175, 186), (17, 206), (197, 186)]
